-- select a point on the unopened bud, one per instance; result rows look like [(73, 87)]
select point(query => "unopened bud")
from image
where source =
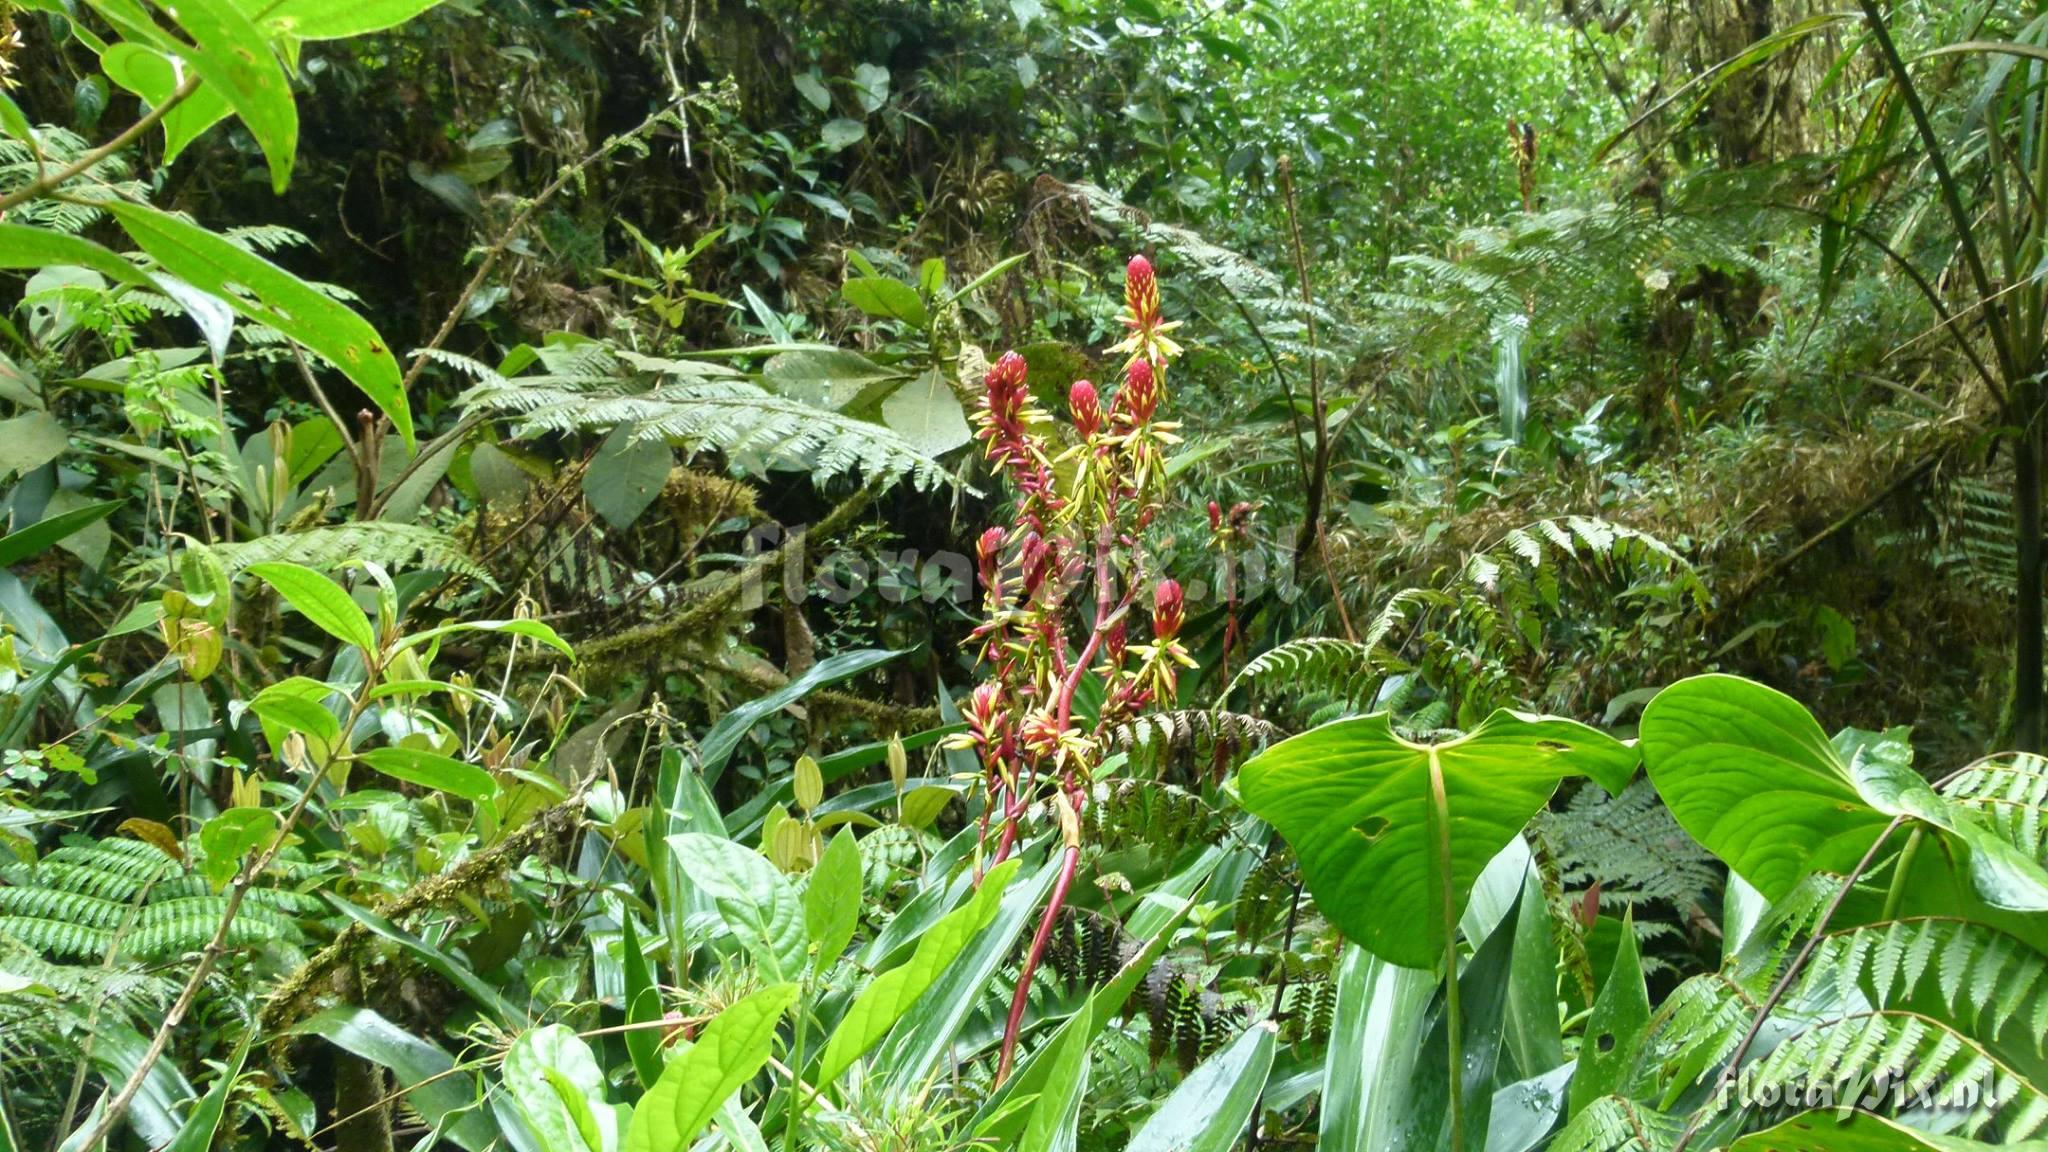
[(899, 764), (810, 784)]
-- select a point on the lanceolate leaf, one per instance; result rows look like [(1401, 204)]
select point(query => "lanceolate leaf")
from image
[(236, 60), (269, 295), (1210, 1108), (832, 900), (731, 1051), (1615, 1028), (153, 76), (423, 1071), (24, 247), (320, 600), (882, 1003), (430, 770), (1836, 1131), (18, 546), (1375, 1040), (1371, 816)]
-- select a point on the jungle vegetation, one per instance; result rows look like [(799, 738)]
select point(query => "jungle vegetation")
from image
[(916, 575)]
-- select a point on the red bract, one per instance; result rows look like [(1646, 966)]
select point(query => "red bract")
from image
[(1086, 408), (1141, 293), (1138, 399), (1167, 609)]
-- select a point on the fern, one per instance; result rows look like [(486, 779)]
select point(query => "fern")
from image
[(703, 407), (336, 546), (91, 898), (1612, 1124), (2009, 795)]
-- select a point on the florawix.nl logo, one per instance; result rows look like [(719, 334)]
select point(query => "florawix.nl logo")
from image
[(1886, 1091)]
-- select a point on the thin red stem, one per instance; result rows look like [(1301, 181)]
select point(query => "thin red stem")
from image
[(1068, 864)]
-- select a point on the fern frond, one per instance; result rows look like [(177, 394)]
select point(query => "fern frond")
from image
[(1190, 725), (700, 407), (331, 547), (2009, 795), (1614, 1124)]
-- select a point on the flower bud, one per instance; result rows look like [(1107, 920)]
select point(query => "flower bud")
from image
[(988, 556), (899, 764), (1167, 608), (810, 784), (1141, 292), (1139, 397), (1086, 408), (1215, 516)]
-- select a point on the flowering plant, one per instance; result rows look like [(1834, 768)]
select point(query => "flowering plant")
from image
[(1082, 501)]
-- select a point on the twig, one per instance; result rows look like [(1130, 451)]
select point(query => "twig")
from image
[(52, 180)]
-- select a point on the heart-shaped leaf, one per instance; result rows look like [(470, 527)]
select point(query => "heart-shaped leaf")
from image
[(1392, 835)]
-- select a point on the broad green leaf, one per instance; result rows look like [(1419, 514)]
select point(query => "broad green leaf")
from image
[(1831, 1130), (235, 59), (117, 1051), (296, 704), (927, 414), (154, 76), (832, 900), (626, 475), (443, 1097), (229, 838), (843, 133), (29, 441), (885, 1000), (320, 600), (1468, 1071), (643, 1006), (327, 20), (22, 246), (1210, 1108), (756, 900), (18, 546), (559, 1087), (1370, 815), (1615, 1027), (826, 377), (886, 299), (429, 770), (269, 295), (1747, 771), (731, 1050), (1376, 1038)]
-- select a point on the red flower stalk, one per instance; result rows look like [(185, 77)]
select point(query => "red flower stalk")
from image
[(1086, 408)]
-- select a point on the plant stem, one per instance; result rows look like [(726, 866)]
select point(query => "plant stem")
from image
[(1454, 1023), (1022, 996), (51, 180)]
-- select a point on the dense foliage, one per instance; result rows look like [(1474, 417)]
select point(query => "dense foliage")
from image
[(1062, 574)]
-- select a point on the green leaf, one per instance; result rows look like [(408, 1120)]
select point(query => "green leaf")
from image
[(327, 20), (320, 600), (832, 900), (153, 76), (1615, 1027), (18, 546), (15, 124), (757, 901), (559, 1087), (813, 91), (725, 736), (871, 86), (1749, 774), (297, 704), (29, 441), (429, 770), (890, 995), (1370, 815), (234, 58), (531, 629), (928, 415), (1831, 1130), (444, 1098), (269, 295), (826, 377), (731, 1050), (1210, 1108), (22, 246), (843, 133), (643, 1006), (228, 838), (1055, 1118), (1375, 1040), (886, 299), (626, 475)]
